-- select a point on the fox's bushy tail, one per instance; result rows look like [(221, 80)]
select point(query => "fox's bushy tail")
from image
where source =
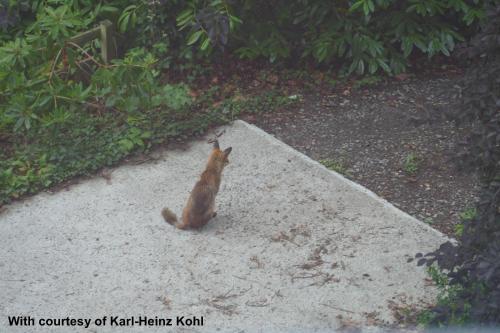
[(171, 218)]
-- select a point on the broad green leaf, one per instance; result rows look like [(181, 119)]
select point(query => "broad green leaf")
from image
[(193, 38)]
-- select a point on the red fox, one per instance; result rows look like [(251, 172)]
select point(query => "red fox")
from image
[(201, 203)]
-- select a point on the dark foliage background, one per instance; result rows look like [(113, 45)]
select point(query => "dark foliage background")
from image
[(474, 264)]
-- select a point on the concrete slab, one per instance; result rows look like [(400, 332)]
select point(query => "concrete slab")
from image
[(294, 247)]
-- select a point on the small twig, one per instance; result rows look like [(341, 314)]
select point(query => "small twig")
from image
[(256, 304), (326, 278), (305, 276), (54, 63), (216, 136), (227, 309), (226, 294), (291, 241), (143, 160), (95, 105), (311, 265), (78, 64), (253, 281), (87, 54), (283, 237), (337, 308)]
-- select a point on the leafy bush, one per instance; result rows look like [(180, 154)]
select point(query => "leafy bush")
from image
[(40, 76), (474, 264), (63, 112), (363, 35)]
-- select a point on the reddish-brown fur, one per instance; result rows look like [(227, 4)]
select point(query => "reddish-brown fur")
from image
[(200, 207)]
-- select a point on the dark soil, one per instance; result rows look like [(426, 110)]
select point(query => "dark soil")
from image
[(371, 130)]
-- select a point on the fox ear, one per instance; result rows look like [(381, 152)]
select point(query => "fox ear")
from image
[(227, 151), (216, 144)]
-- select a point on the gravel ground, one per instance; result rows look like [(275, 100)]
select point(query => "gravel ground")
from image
[(370, 132)]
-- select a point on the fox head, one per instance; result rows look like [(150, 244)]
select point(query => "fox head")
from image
[(220, 157)]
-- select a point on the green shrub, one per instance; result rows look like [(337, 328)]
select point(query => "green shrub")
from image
[(58, 122), (365, 36)]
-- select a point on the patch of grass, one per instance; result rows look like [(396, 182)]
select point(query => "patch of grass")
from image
[(367, 82), (429, 220), (459, 229), (296, 74), (411, 164), (440, 279), (264, 102), (332, 83), (447, 297), (337, 165), (466, 216)]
